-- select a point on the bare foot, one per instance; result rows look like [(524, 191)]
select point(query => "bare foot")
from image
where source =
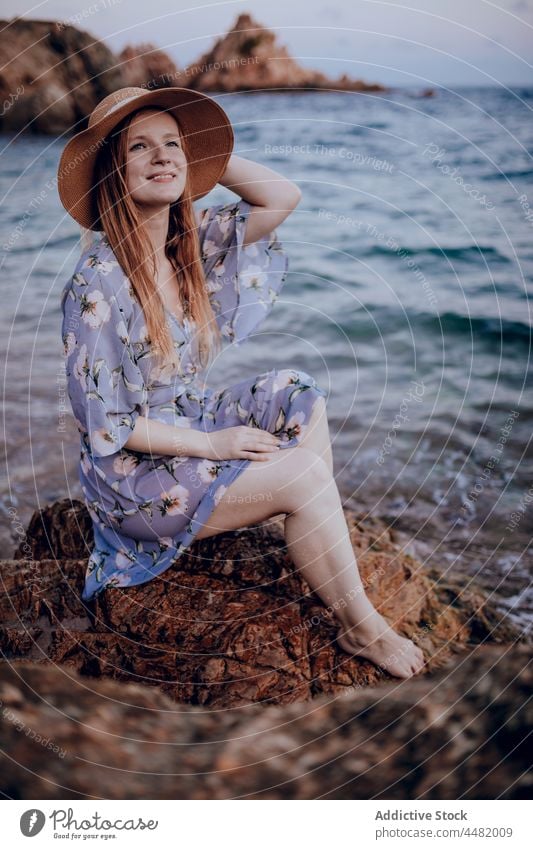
[(375, 640)]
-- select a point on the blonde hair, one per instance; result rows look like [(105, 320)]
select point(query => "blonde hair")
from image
[(131, 245)]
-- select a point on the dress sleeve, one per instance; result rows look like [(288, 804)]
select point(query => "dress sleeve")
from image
[(243, 281), (105, 385)]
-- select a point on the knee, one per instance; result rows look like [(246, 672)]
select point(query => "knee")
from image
[(315, 471), (309, 478)]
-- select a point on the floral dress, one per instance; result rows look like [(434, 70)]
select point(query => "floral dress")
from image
[(146, 509)]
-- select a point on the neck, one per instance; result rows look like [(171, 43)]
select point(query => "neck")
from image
[(156, 226)]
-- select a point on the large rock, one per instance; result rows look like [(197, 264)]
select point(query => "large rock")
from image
[(145, 65), (52, 76), (460, 734), (249, 57), (231, 622)]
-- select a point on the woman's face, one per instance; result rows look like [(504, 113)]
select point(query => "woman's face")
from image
[(154, 148)]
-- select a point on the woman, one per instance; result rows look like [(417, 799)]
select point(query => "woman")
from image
[(164, 459)]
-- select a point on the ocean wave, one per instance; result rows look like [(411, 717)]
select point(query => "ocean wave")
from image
[(467, 253), (451, 323), (507, 175)]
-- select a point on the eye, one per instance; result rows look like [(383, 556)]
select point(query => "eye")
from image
[(178, 144)]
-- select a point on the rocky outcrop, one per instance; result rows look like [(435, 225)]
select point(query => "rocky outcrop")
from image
[(462, 733), (231, 622), (249, 58), (144, 65), (222, 678), (53, 74)]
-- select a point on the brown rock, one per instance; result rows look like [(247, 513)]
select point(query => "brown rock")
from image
[(147, 66), (248, 58), (52, 75), (460, 734), (231, 622)]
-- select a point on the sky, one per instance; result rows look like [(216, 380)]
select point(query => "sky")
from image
[(417, 42)]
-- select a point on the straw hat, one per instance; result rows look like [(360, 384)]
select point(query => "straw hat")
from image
[(205, 125)]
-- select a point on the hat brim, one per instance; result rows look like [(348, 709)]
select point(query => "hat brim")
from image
[(204, 124)]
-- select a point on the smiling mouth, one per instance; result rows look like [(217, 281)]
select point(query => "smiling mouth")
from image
[(163, 178)]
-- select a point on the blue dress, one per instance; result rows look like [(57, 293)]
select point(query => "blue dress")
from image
[(146, 509)]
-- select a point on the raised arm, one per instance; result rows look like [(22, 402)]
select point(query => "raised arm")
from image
[(271, 195)]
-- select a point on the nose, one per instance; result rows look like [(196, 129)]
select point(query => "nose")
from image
[(160, 154)]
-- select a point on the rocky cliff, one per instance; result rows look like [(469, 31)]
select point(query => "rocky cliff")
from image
[(52, 74), (249, 58)]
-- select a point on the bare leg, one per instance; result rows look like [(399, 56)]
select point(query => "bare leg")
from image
[(316, 437), (298, 483), (318, 539)]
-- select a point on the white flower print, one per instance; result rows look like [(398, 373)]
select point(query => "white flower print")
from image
[(227, 330), (253, 277), (208, 470), (225, 219), (122, 333), (251, 249), (101, 439), (85, 462), (285, 377), (162, 373), (81, 367), (95, 310), (209, 247), (130, 291), (103, 266), (120, 580), (125, 465), (123, 559), (219, 267), (213, 286), (175, 501), (69, 344), (142, 334)]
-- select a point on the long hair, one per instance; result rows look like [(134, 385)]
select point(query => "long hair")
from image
[(133, 249)]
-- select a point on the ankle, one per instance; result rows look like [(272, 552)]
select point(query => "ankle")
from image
[(364, 617)]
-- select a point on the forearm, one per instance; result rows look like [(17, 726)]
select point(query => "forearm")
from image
[(259, 185), (154, 437)]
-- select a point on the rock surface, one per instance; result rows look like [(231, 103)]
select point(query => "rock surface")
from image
[(249, 58), (460, 734), (231, 622), (53, 74), (146, 66), (228, 682)]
